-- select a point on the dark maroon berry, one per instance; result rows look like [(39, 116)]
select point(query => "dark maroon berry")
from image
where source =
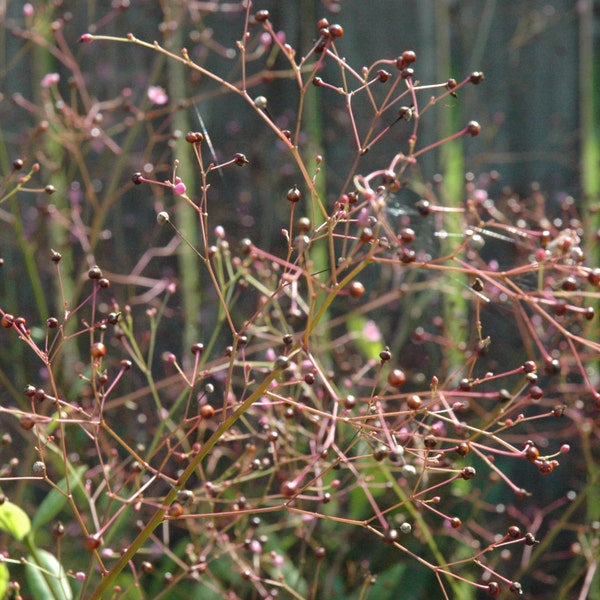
[(423, 207), (336, 31), (262, 15)]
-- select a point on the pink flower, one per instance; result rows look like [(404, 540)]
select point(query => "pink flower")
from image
[(49, 80), (372, 332), (157, 94), (179, 189), (28, 9)]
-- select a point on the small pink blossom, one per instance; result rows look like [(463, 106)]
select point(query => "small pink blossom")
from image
[(157, 94), (372, 332), (265, 39), (49, 80), (179, 189), (28, 9)]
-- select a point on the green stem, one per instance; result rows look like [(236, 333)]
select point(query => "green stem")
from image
[(187, 217), (455, 307)]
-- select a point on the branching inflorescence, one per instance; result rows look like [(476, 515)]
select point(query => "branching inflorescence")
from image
[(326, 406)]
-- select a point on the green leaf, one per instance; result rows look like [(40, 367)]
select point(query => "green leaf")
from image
[(14, 520), (46, 577), (55, 500), (4, 579)]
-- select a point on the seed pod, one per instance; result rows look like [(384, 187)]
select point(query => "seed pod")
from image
[(262, 15), (476, 77), (397, 378), (294, 194)]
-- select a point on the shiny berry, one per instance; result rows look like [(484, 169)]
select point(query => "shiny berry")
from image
[(397, 378), (98, 350), (262, 15), (356, 289), (294, 194)]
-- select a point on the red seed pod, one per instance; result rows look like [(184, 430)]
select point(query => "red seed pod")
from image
[(397, 378), (383, 75), (463, 449), (406, 73), (532, 453), (455, 522), (594, 277), (366, 235), (468, 473), (423, 207), (147, 567), (137, 178), (240, 159), (317, 81), (465, 384), (429, 442), (93, 542), (26, 422), (322, 23), (98, 350), (493, 589), (336, 31), (18, 164), (407, 235), (414, 402), (356, 289), (194, 137), (451, 84), (514, 532), (207, 411), (175, 510), (473, 128), (7, 320), (288, 489), (262, 15), (536, 392), (390, 536), (385, 355), (408, 57)]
